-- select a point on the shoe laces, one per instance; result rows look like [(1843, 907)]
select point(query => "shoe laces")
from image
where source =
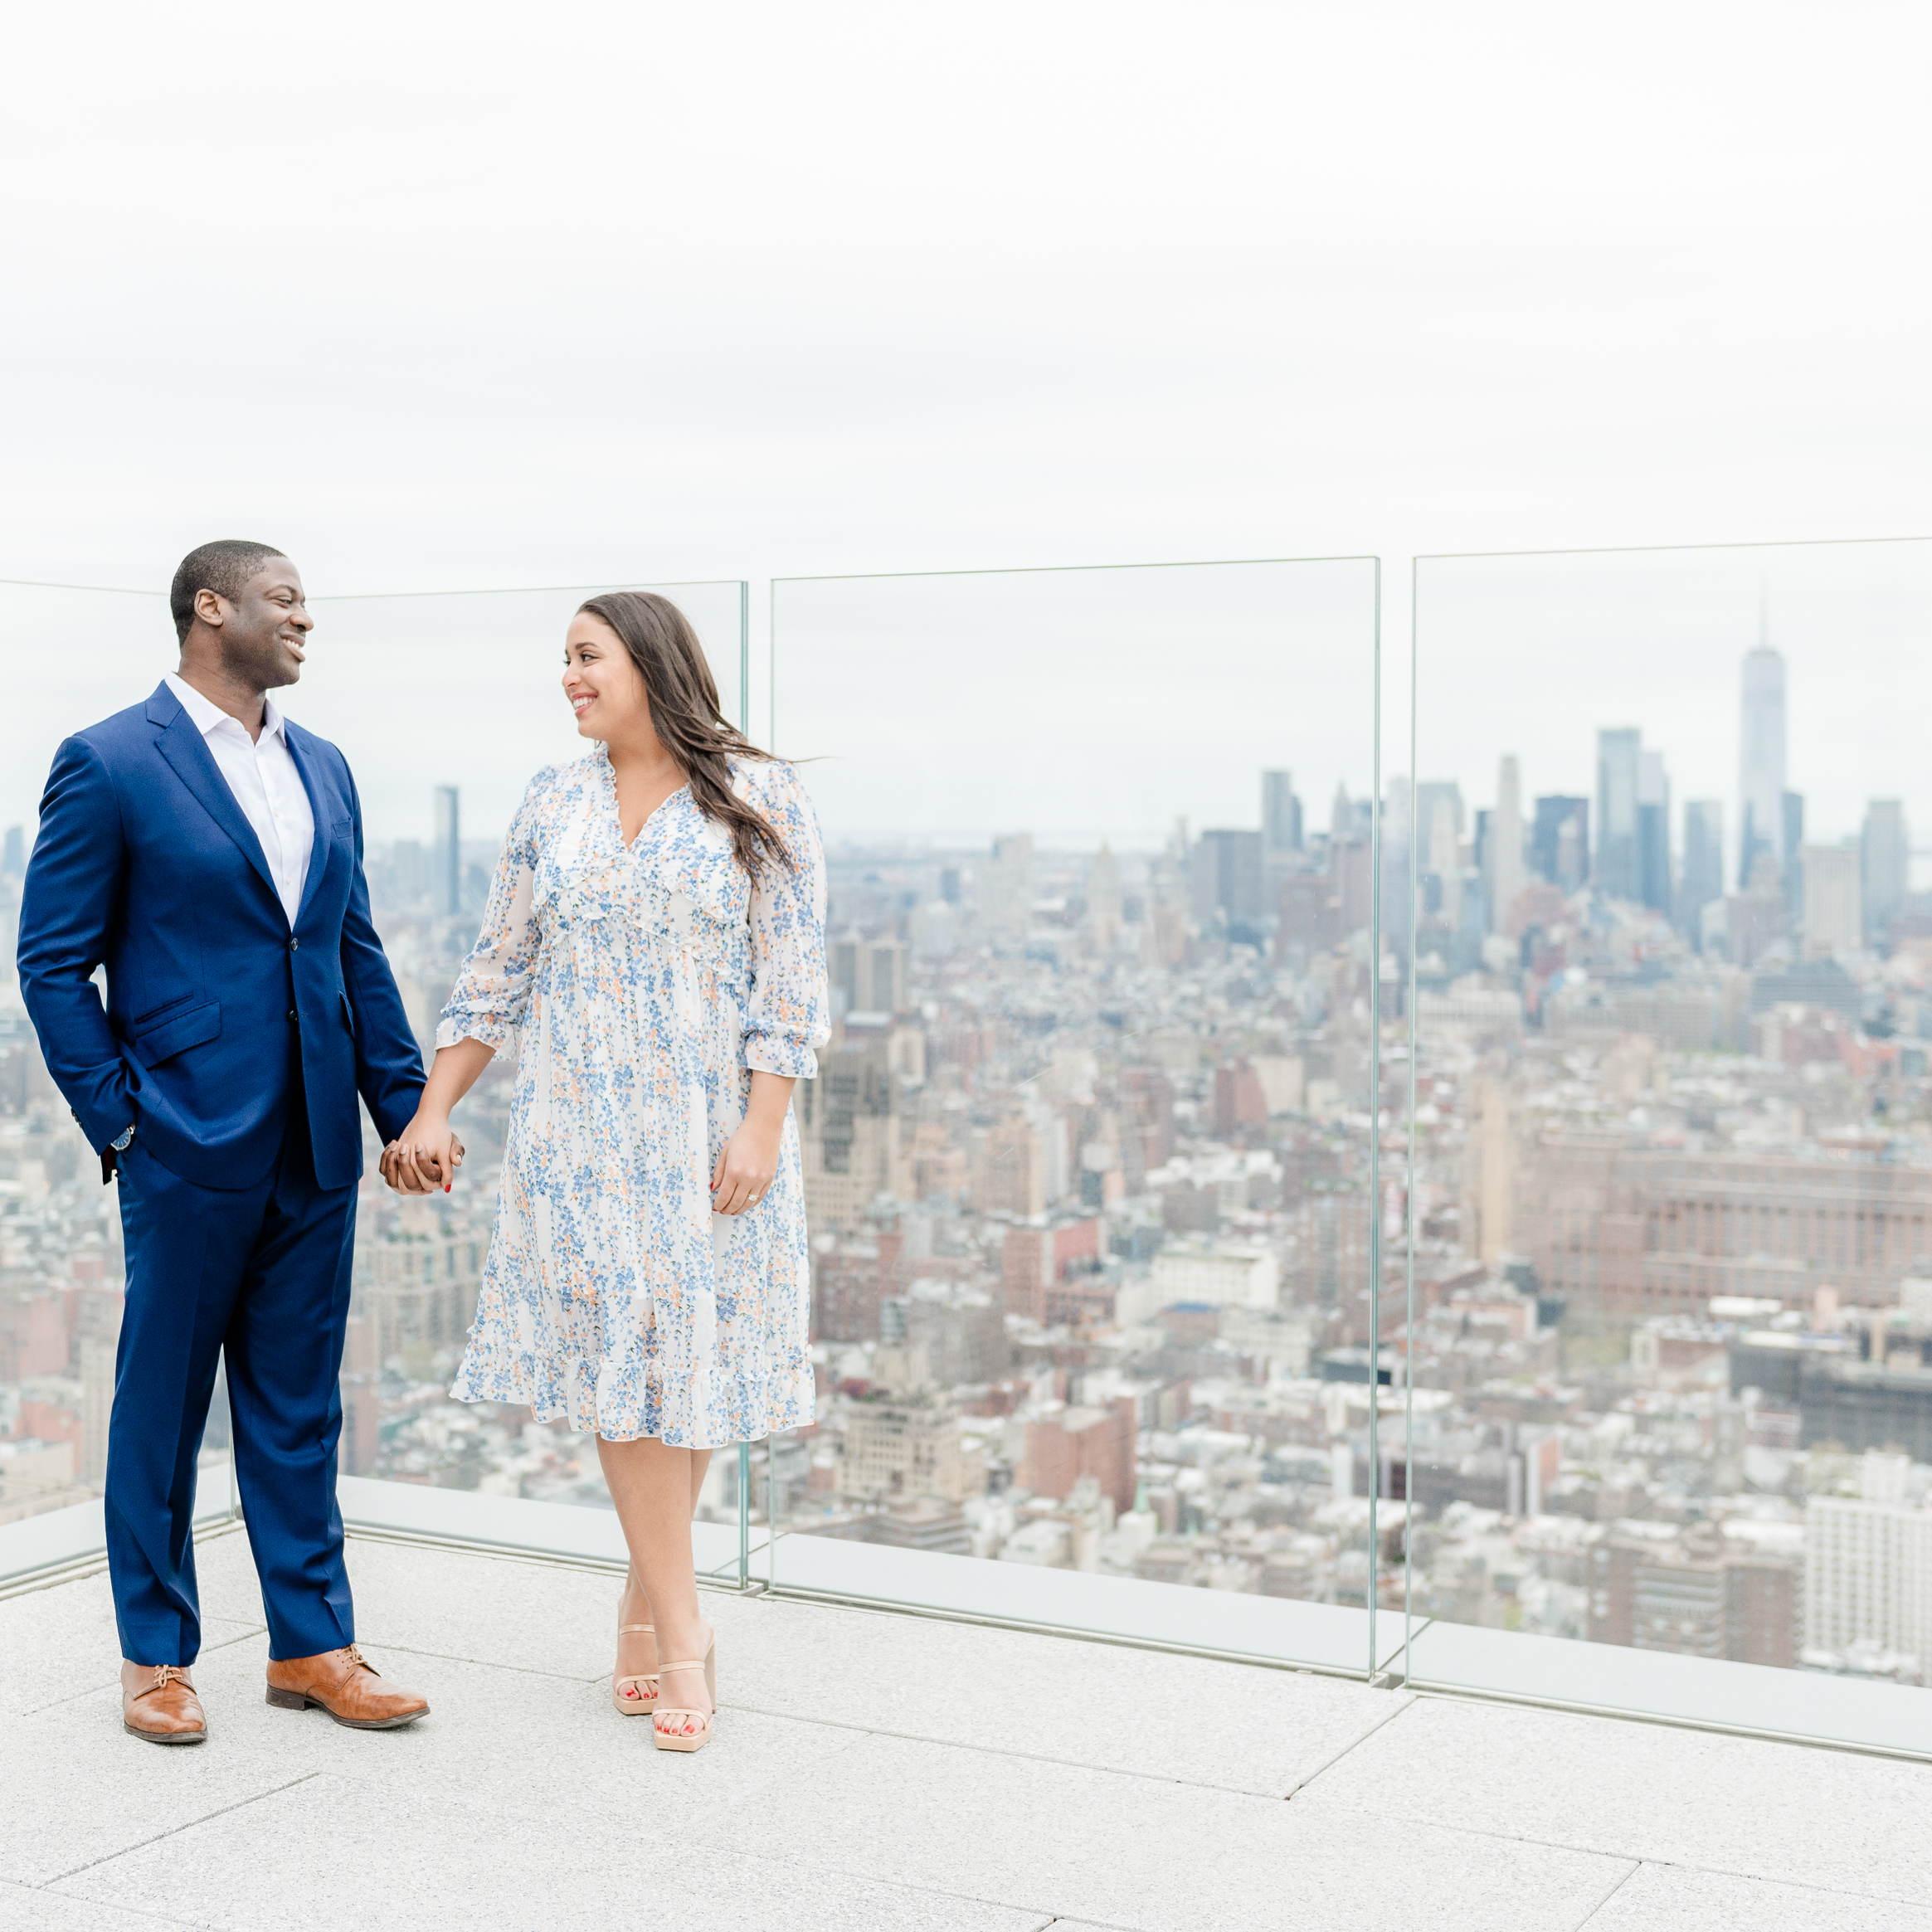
[(167, 1674), (352, 1653)]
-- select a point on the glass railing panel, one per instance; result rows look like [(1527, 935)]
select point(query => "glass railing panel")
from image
[(445, 705), (1088, 1157), (72, 655), (1668, 1353)]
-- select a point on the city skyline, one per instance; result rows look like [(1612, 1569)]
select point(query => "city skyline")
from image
[(1088, 1167), (1518, 656)]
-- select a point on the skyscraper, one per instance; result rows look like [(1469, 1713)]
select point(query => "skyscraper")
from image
[(1398, 830), (1653, 833), (1761, 760), (1865, 1561), (1794, 853), (446, 873), (1619, 871), (1103, 898), (1559, 841), (1442, 859), (14, 852), (1006, 886), (1224, 876), (1281, 813), (1832, 922), (1435, 797), (1702, 883), (1503, 849), (1884, 858)]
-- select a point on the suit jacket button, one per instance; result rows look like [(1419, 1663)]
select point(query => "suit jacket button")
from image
[(291, 1013), (295, 945)]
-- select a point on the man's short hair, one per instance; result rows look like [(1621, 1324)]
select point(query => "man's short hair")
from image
[(223, 566)]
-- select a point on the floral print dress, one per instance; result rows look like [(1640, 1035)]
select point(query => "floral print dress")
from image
[(639, 987)]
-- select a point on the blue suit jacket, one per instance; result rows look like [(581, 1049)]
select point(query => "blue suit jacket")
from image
[(145, 864)]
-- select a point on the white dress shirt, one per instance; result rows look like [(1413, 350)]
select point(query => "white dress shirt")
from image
[(261, 774)]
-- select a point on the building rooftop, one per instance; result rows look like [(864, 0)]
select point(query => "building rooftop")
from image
[(876, 1769)]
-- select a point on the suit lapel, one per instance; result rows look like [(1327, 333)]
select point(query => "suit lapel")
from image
[(320, 810), (182, 744)]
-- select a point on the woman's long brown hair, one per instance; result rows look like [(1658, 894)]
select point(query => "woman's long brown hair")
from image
[(685, 713)]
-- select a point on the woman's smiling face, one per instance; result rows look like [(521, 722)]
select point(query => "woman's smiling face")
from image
[(602, 681)]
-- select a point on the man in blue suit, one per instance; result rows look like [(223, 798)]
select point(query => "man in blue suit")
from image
[(208, 852)]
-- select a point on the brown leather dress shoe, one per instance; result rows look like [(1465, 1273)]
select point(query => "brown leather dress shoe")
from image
[(166, 1711), (346, 1685)]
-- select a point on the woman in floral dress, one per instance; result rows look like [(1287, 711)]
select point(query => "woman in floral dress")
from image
[(653, 952)]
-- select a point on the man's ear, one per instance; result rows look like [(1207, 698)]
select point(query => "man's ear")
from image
[(210, 609)]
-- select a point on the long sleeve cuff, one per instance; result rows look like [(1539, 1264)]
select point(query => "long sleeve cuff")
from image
[(776, 1054), (503, 1037)]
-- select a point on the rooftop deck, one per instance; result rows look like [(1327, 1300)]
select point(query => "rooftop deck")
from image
[(905, 1774)]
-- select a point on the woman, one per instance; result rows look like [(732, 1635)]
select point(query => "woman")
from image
[(654, 944)]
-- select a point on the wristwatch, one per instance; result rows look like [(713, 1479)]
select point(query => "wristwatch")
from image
[(108, 1164)]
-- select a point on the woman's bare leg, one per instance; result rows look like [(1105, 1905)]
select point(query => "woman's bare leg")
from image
[(655, 1489)]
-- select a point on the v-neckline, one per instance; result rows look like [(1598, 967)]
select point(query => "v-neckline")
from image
[(626, 847)]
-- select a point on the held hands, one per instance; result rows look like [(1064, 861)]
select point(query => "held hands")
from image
[(745, 1164), (424, 1158)]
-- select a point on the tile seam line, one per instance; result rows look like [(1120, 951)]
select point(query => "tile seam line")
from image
[(478, 1663), (1583, 1923), (1447, 1693), (1924, 1903), (1052, 1913), (161, 1920), (916, 1737), (1380, 1724), (68, 1697), (173, 1831), (452, 1789), (1048, 1913), (808, 1598)]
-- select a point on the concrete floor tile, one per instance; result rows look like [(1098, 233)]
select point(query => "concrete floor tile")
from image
[(1656, 1897), (60, 1643), (516, 1739), (1237, 1725), (75, 1788), (332, 1853), (486, 1610), (1791, 1812), (882, 1773), (25, 1911), (1168, 1857)]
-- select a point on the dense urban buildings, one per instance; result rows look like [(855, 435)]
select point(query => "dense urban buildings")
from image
[(1089, 1167)]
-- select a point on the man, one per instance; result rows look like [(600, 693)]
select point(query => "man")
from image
[(209, 854)]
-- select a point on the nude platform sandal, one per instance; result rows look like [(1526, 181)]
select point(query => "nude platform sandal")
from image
[(671, 1741), (646, 1699)]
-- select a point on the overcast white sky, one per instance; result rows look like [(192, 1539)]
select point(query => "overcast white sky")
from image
[(442, 297)]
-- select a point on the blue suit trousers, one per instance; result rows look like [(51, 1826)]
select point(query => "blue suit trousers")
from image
[(261, 1274)]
